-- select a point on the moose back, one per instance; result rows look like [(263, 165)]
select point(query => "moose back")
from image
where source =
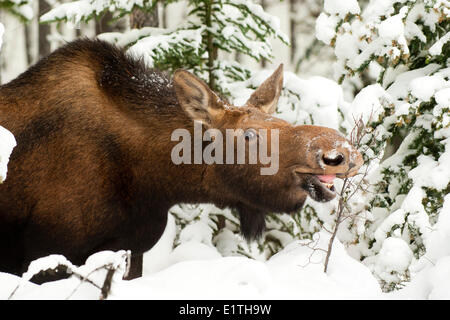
[(92, 169)]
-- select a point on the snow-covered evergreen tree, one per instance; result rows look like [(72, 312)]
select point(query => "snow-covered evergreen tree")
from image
[(408, 43), (20, 8), (80, 11), (212, 26)]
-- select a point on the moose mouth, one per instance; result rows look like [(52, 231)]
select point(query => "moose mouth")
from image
[(320, 187), (327, 181)]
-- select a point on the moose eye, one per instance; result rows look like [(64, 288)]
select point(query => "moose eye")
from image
[(250, 134)]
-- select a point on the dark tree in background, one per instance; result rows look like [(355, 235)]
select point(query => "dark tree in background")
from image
[(44, 31)]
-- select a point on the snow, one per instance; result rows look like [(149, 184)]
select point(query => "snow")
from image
[(443, 97), (161, 41), (395, 218), (346, 46), (300, 265), (26, 11), (437, 172), (341, 8), (439, 280), (394, 257), (321, 106), (123, 39), (378, 31), (7, 144), (407, 218), (392, 28), (82, 10), (74, 287), (257, 10), (325, 27), (436, 49), (437, 241), (425, 87), (302, 101), (402, 82), (197, 273), (74, 11), (368, 103), (2, 31), (379, 7), (157, 258), (431, 278)]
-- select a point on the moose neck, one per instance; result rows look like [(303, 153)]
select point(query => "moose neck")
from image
[(180, 183)]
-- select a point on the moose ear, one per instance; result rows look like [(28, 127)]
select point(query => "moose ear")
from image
[(266, 96), (196, 99)]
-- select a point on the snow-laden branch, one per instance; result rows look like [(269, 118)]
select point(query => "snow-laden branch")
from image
[(100, 271), (85, 10)]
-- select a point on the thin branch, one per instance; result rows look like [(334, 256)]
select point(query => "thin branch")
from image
[(349, 188), (86, 278), (313, 246), (336, 226), (106, 288)]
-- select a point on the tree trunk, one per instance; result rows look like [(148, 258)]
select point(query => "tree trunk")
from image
[(140, 19), (106, 23), (44, 31), (103, 24), (28, 46), (212, 50), (293, 27), (264, 6), (164, 16)]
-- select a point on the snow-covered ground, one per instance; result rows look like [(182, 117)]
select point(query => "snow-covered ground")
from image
[(196, 271), (294, 273)]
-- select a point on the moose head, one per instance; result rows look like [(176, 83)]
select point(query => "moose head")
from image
[(309, 157)]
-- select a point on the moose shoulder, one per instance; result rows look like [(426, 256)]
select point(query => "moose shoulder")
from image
[(92, 169)]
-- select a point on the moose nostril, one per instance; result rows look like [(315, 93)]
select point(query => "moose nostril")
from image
[(334, 160)]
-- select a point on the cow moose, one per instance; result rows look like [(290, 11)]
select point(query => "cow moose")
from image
[(92, 169)]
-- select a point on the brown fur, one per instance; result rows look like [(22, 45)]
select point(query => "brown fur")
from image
[(92, 167)]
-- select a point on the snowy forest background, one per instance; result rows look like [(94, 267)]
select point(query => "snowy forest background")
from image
[(376, 70)]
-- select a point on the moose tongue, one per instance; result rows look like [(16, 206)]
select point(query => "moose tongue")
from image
[(326, 178)]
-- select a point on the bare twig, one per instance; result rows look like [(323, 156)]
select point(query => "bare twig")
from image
[(313, 246), (86, 279), (340, 210), (106, 288), (349, 189)]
